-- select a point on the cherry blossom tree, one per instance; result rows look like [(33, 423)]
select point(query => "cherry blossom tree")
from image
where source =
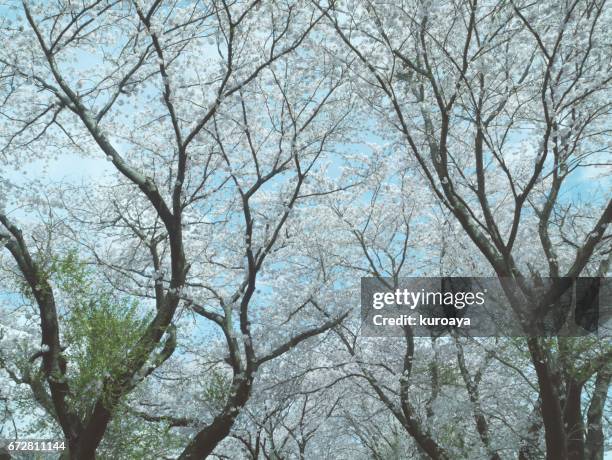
[(197, 108), (500, 105), (198, 296)]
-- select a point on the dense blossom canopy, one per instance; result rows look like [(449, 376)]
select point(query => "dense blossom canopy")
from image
[(191, 191)]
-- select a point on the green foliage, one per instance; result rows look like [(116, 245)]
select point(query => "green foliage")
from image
[(99, 328), (447, 374), (129, 437), (216, 389)]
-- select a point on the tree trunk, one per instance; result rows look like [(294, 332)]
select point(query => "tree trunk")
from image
[(205, 442), (573, 420), (594, 446), (552, 415), (529, 446)]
